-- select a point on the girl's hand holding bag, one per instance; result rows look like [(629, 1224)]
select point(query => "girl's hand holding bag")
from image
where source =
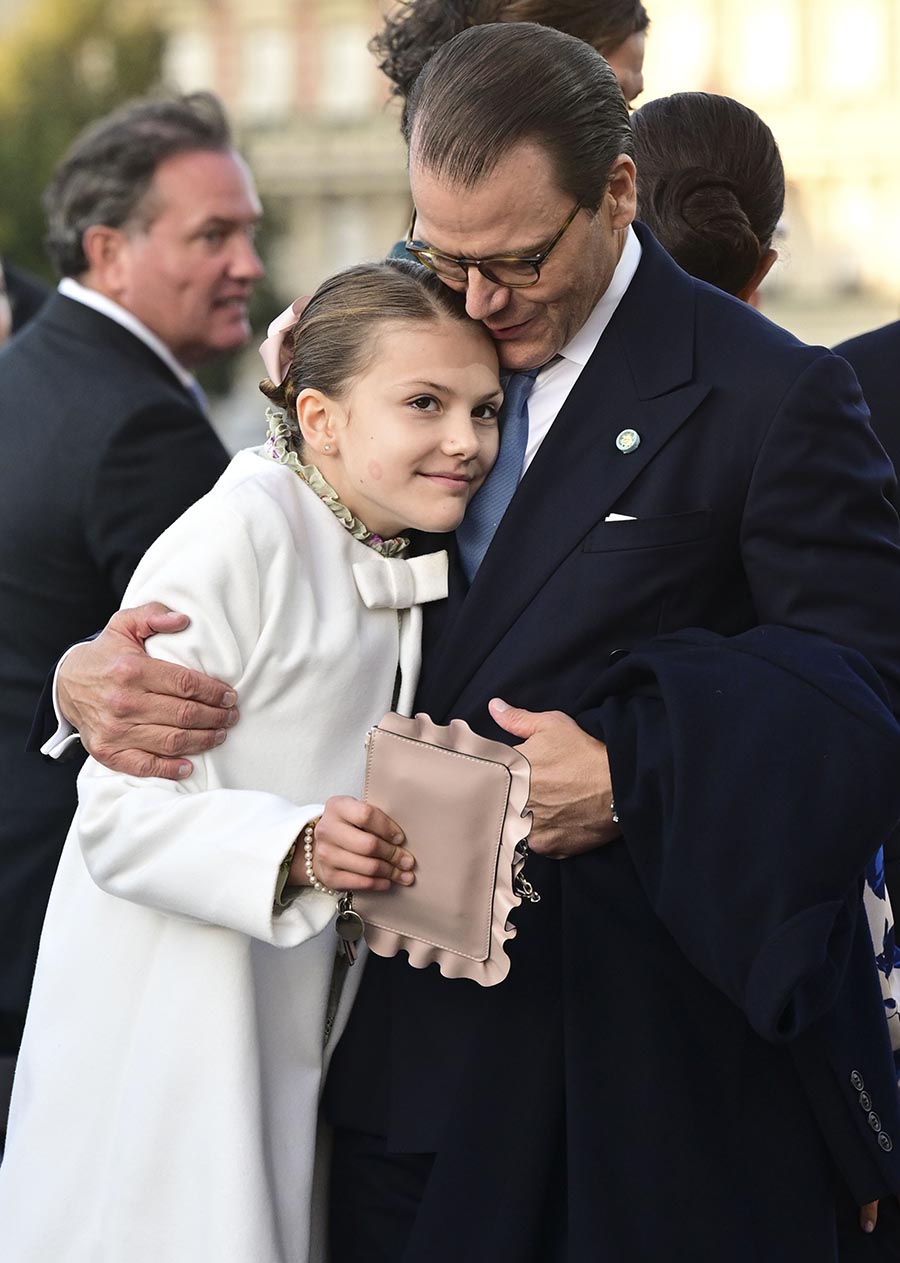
[(461, 801)]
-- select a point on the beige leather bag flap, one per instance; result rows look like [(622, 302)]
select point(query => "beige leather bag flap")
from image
[(461, 801)]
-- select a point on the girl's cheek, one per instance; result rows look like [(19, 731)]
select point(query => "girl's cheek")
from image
[(375, 470)]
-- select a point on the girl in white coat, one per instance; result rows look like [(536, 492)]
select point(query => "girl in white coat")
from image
[(186, 997)]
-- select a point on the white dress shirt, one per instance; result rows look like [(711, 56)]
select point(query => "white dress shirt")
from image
[(554, 383), (79, 293)]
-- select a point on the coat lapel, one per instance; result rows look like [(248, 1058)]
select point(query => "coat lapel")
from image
[(639, 378), (74, 319)]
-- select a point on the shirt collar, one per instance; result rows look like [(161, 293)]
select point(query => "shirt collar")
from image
[(73, 289), (580, 348)]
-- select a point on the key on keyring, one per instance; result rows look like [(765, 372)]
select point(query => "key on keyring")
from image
[(349, 927)]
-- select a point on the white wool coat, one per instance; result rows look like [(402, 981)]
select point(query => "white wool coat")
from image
[(165, 1104)]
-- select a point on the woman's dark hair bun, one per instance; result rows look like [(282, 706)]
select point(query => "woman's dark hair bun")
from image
[(710, 184), (700, 218)]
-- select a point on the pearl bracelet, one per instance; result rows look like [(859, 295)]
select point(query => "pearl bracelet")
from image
[(309, 840)]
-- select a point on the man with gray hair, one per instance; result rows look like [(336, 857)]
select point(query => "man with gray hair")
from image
[(104, 439)]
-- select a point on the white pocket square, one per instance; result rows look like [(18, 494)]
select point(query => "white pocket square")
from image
[(619, 517)]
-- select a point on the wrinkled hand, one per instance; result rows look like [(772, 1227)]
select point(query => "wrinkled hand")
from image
[(136, 714), (571, 790), (357, 847)]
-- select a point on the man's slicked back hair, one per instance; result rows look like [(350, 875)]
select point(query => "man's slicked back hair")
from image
[(494, 87)]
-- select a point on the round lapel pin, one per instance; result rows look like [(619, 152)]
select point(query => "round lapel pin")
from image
[(628, 440)]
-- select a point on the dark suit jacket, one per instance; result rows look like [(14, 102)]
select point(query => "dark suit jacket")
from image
[(27, 295), (758, 490), (101, 448), (875, 358)]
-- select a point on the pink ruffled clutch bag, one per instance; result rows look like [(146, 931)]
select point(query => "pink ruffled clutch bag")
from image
[(461, 801)]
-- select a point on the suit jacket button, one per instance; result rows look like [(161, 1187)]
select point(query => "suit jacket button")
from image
[(874, 1121), (856, 1080), (617, 654), (885, 1141), (865, 1101)]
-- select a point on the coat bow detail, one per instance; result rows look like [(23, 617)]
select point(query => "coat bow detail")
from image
[(398, 583)]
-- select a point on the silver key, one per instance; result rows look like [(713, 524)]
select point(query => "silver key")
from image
[(349, 927)]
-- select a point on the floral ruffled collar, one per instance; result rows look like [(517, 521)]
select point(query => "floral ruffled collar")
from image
[(277, 448)]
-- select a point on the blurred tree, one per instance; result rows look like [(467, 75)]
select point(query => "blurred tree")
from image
[(66, 63)]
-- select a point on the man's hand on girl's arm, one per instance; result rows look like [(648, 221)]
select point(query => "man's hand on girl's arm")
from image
[(136, 714)]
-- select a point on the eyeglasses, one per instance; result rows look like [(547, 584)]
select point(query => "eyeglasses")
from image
[(513, 270)]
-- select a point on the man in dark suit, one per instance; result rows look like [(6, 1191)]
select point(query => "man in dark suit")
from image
[(686, 480), (104, 439), (21, 298), (686, 464), (875, 358)]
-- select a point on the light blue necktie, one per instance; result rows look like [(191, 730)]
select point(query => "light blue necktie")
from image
[(490, 502)]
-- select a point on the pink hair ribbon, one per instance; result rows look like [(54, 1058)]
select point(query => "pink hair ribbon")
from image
[(275, 354)]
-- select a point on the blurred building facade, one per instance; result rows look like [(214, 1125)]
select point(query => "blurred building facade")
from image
[(825, 76), (314, 118)]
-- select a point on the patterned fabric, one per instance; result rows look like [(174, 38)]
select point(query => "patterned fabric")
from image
[(488, 505), (277, 448), (887, 953)]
